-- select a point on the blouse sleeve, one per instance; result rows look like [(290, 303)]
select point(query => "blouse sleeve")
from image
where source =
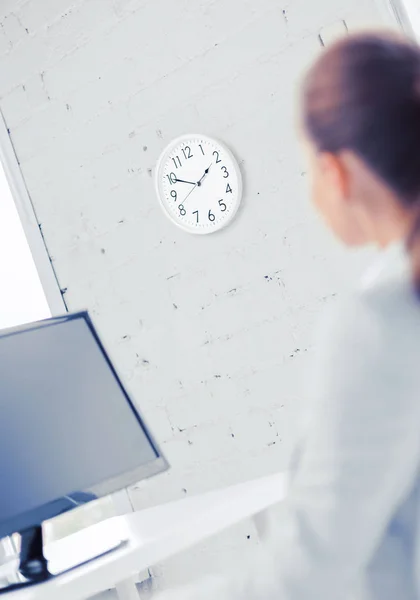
[(358, 462)]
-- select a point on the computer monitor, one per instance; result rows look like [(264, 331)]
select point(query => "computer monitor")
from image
[(69, 432)]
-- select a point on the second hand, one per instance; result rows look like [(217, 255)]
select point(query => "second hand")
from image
[(189, 193), (198, 184)]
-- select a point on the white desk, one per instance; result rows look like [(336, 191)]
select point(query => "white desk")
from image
[(154, 535)]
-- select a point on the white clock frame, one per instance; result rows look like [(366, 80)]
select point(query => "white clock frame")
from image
[(159, 172)]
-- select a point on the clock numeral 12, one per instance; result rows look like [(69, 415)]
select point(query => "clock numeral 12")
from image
[(187, 152)]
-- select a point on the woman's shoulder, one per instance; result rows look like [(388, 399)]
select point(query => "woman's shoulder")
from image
[(389, 304), (381, 320)]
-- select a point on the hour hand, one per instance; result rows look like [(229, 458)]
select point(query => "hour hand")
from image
[(205, 173), (183, 181)]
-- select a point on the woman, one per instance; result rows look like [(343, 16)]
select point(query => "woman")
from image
[(351, 527)]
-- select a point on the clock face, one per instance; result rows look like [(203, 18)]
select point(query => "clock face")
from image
[(199, 184)]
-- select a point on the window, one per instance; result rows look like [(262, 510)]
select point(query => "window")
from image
[(407, 15), (22, 298), (412, 9)]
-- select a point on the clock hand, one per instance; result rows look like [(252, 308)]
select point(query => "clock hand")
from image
[(205, 173), (182, 181), (190, 192), (198, 184)]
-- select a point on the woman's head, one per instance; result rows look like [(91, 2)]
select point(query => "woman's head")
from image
[(361, 117)]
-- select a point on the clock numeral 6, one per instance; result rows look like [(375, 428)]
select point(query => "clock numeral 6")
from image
[(225, 171), (222, 205), (211, 216), (182, 210), (172, 178)]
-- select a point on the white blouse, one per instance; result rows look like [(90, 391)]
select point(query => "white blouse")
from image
[(350, 527)]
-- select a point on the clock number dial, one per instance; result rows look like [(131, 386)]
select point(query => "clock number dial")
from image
[(216, 154), (196, 195), (177, 162), (187, 152)]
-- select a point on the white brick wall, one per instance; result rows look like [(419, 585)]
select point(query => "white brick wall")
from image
[(212, 334)]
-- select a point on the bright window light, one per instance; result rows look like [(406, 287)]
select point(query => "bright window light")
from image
[(22, 298), (412, 8)]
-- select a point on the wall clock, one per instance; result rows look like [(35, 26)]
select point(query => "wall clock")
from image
[(199, 184)]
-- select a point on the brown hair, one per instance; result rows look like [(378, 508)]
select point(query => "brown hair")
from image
[(363, 95)]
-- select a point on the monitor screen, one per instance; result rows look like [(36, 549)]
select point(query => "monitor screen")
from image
[(68, 430)]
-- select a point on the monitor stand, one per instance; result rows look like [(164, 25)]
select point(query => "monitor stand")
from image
[(33, 565)]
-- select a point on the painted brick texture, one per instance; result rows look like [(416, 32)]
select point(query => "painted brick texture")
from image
[(213, 334)]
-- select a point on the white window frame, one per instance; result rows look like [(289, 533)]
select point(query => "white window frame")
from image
[(404, 13), (411, 10)]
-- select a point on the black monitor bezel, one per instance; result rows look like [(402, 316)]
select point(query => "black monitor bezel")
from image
[(50, 510)]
